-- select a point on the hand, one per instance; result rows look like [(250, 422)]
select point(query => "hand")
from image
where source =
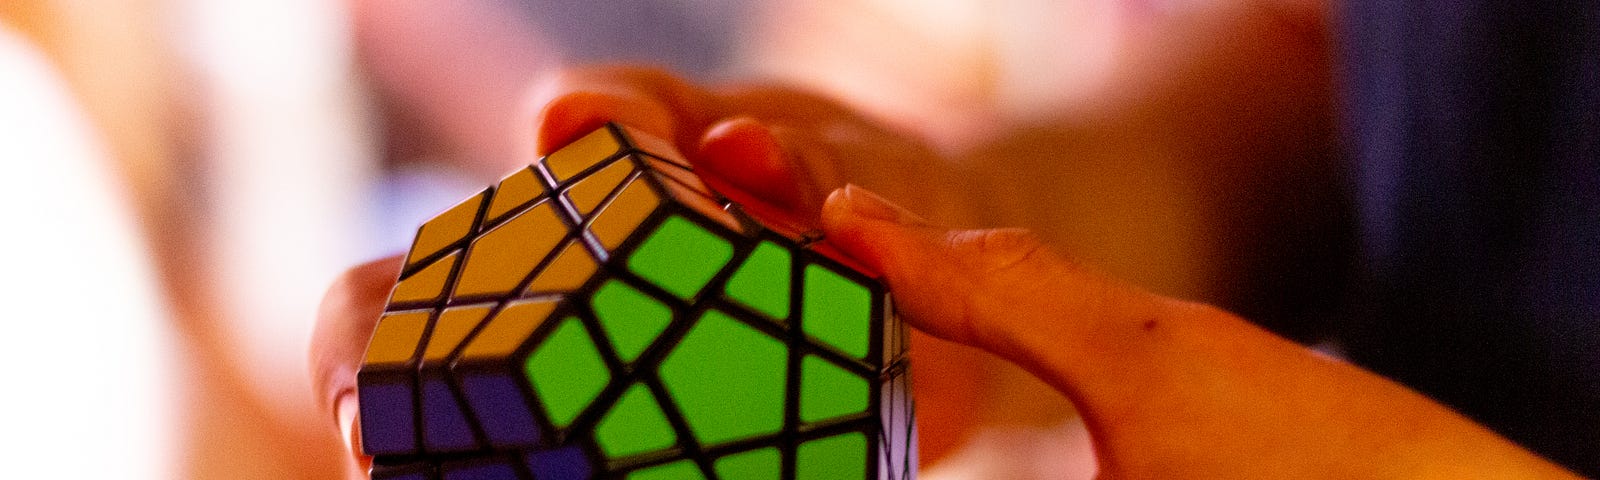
[(790, 146), (1167, 388), (785, 149)]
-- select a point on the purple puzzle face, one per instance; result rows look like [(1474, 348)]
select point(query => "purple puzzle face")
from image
[(604, 314)]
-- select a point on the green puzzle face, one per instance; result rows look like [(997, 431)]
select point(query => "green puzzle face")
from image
[(604, 314)]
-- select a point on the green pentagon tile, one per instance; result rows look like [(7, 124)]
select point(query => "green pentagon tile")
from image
[(728, 379)]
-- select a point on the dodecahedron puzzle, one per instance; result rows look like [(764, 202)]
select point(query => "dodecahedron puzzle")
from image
[(605, 314)]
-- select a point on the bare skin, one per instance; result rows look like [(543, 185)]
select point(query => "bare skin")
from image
[(1190, 171), (1209, 100), (1168, 388)]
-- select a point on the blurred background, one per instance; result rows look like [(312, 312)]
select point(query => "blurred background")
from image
[(184, 179)]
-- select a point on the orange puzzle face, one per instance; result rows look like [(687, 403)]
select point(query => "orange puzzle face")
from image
[(605, 314)]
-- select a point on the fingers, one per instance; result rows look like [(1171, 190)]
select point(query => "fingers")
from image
[(345, 320), (741, 155), (776, 150), (1150, 374), (577, 101), (1005, 292), (767, 169), (935, 287), (570, 115), (791, 106), (769, 144), (999, 290)]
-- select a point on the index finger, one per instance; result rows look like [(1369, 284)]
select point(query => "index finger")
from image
[(577, 101)]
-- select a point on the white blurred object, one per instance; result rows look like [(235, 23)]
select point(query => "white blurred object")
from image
[(87, 343), (956, 71), (289, 164)]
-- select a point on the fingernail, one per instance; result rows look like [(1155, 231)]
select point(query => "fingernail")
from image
[(867, 204), (745, 154), (345, 408), (737, 142)]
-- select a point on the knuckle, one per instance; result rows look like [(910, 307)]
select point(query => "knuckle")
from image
[(1001, 250), (1013, 275), (1005, 268)]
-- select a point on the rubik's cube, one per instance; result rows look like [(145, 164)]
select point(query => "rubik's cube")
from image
[(604, 314)]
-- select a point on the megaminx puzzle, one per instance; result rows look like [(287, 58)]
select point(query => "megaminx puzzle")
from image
[(604, 314)]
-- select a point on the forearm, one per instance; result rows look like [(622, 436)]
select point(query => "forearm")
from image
[(1248, 394)]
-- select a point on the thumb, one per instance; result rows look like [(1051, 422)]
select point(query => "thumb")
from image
[(1004, 292), (1150, 374), (1001, 290)]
